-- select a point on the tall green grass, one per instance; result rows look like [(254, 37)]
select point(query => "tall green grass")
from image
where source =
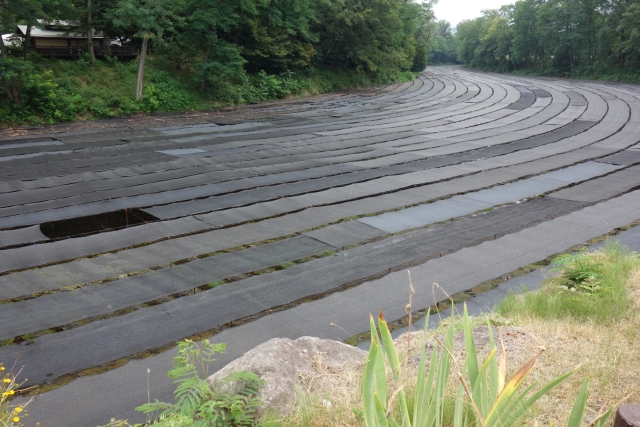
[(609, 303)]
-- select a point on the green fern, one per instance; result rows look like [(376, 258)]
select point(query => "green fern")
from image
[(196, 399), (578, 272)]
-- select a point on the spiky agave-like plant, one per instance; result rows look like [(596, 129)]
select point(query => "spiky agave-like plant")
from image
[(483, 398)]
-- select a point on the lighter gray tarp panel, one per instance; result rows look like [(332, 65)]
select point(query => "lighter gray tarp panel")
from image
[(602, 188), (420, 216), (21, 236), (581, 172), (345, 234), (463, 205), (625, 157)]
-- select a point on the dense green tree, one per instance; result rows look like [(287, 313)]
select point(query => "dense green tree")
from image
[(279, 36), (12, 70), (525, 43), (494, 47), (376, 37), (629, 26), (150, 19), (554, 36), (468, 36), (443, 49)]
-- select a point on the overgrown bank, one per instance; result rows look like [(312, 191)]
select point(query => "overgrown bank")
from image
[(61, 90)]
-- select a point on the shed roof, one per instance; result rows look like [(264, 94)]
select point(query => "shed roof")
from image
[(65, 34), (11, 40)]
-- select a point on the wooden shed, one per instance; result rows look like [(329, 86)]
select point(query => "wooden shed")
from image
[(63, 39)]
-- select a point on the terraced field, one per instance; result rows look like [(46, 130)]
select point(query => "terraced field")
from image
[(117, 242)]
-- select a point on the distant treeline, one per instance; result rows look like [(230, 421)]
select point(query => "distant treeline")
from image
[(583, 38)]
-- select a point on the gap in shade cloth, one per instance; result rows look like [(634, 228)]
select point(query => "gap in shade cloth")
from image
[(103, 222)]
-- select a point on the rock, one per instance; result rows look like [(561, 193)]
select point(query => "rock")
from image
[(281, 362)]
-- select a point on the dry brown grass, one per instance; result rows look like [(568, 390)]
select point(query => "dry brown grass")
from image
[(326, 398), (608, 354)]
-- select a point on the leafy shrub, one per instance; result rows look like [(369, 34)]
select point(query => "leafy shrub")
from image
[(168, 92), (198, 404), (41, 98), (579, 272)]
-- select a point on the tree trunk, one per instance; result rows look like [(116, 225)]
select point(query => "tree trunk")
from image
[(207, 51), (9, 89), (90, 33), (27, 42), (3, 48), (143, 58), (106, 45)]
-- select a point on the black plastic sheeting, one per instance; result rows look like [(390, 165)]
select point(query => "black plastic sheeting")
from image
[(625, 158), (206, 190), (127, 262), (21, 236), (249, 213), (97, 343), (62, 308), (117, 173), (101, 189), (33, 255), (57, 163), (526, 100), (261, 194), (215, 203), (345, 234), (102, 341), (159, 182), (602, 188)]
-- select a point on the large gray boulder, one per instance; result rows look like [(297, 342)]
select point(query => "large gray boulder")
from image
[(281, 362)]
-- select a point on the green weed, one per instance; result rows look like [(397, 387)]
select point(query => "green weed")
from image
[(591, 286), (199, 404)]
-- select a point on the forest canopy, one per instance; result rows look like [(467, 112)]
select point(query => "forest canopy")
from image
[(580, 38), (228, 48)]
